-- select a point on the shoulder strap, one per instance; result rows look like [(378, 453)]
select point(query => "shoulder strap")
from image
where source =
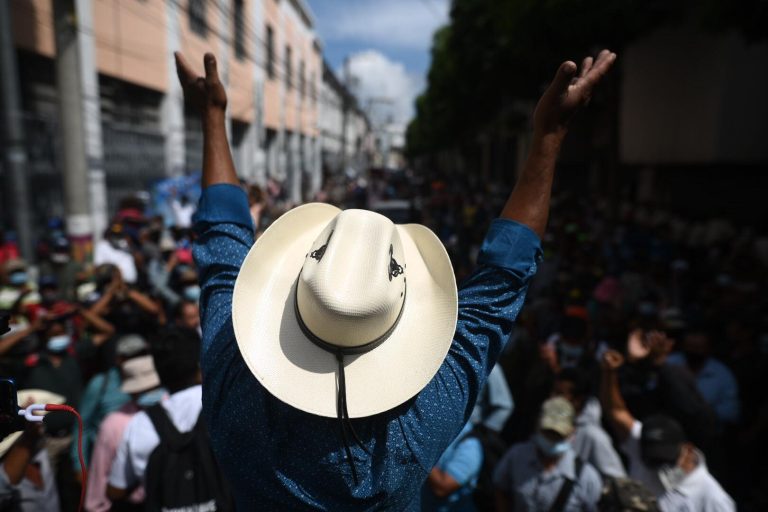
[(166, 430), (567, 488)]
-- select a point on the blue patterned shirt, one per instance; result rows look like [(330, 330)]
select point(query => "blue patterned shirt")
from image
[(280, 458)]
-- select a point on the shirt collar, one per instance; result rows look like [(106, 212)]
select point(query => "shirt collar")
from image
[(696, 479)]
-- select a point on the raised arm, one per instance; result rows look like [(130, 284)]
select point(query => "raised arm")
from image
[(529, 201), (207, 94), (610, 395)]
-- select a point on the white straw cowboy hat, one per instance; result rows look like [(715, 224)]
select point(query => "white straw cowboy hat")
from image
[(343, 311), (37, 396)]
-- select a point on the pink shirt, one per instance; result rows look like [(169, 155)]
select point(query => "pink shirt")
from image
[(110, 435)]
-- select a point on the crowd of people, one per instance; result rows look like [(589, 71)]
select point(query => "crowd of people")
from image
[(631, 380), (637, 314), (641, 319)]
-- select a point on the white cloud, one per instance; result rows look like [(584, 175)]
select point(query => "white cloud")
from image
[(384, 88), (394, 23)]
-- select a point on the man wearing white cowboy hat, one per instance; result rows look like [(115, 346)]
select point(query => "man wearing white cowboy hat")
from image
[(338, 359)]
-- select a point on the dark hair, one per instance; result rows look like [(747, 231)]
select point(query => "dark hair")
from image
[(579, 378), (573, 328), (176, 353)]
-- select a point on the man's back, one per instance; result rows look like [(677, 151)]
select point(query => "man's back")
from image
[(301, 458)]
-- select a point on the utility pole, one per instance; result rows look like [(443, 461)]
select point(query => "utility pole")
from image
[(15, 155), (76, 169)]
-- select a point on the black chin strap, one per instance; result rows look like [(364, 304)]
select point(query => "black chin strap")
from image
[(342, 414), (345, 422)]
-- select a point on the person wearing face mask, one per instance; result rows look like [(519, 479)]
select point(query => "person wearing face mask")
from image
[(103, 394), (58, 371), (141, 382), (16, 293), (659, 453), (544, 473)]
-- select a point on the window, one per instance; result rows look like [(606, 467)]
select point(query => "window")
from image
[(197, 22), (239, 15), (302, 83), (270, 52), (288, 70)]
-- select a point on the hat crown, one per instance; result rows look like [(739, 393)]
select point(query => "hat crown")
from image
[(352, 285)]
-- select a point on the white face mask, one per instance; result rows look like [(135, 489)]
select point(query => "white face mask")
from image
[(671, 476), (58, 343)]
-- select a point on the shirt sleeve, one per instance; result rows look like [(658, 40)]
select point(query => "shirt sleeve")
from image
[(466, 461), (89, 403), (98, 472), (121, 474), (502, 474), (224, 237), (591, 488), (727, 405)]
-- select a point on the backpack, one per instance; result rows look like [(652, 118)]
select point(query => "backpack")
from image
[(494, 448), (182, 472), (626, 495)]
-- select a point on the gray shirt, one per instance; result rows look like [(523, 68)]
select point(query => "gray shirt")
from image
[(494, 405), (33, 498), (521, 476), (593, 444)]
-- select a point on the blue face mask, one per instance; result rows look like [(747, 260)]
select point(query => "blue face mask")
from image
[(549, 448), (150, 398), (192, 293), (18, 278), (58, 343)]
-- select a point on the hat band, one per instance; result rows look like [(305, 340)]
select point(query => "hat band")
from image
[(347, 351)]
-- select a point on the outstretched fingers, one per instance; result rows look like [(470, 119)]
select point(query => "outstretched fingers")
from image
[(565, 73), (605, 60), (211, 69), (184, 72)]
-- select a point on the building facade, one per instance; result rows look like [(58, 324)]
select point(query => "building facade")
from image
[(137, 128), (344, 128)]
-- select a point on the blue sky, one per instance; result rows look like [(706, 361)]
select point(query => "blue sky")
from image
[(388, 42)]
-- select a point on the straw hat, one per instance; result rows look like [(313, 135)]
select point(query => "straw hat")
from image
[(333, 307), (38, 396)]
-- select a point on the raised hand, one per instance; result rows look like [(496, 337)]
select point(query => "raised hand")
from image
[(204, 93), (612, 360), (569, 91)]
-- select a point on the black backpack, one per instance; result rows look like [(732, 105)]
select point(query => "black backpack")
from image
[(182, 473)]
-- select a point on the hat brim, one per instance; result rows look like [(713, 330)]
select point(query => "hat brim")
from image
[(299, 373)]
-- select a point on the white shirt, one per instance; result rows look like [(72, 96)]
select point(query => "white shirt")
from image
[(105, 253), (698, 492), (182, 214), (140, 438)]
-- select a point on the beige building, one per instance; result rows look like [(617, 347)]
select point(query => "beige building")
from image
[(137, 127)]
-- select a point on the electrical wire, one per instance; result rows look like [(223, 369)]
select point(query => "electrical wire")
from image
[(29, 413)]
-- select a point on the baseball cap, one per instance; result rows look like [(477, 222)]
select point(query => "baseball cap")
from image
[(557, 415), (660, 440)]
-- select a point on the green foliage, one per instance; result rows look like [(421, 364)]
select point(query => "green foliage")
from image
[(495, 51)]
